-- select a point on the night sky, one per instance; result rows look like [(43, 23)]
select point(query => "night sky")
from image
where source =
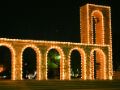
[(52, 20)]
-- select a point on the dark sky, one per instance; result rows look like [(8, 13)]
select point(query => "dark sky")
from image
[(56, 20)]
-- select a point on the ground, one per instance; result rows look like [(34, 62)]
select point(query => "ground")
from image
[(60, 85)]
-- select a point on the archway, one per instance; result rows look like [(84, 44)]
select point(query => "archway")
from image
[(98, 64), (5, 63), (97, 27), (81, 59), (75, 65), (29, 64), (53, 64)]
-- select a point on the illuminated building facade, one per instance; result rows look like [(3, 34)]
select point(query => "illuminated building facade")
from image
[(96, 44)]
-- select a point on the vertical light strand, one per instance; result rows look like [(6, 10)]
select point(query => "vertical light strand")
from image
[(104, 66), (21, 62), (63, 66), (88, 25), (46, 65), (103, 29), (13, 64), (111, 67), (83, 59), (38, 63)]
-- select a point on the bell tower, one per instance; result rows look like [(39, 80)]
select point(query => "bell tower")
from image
[(95, 25), (95, 29)]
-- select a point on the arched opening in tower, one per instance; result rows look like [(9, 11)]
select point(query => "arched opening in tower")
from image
[(97, 28), (53, 64), (75, 65), (29, 64), (94, 28), (5, 63), (98, 65)]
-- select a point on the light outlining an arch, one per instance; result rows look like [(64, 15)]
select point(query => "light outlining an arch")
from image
[(38, 59), (110, 49), (83, 61), (88, 40), (102, 62), (60, 51), (110, 74), (99, 28), (12, 51)]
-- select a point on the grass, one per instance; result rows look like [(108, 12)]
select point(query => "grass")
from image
[(60, 85)]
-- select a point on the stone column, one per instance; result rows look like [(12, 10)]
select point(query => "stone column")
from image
[(43, 63), (88, 68), (18, 63), (66, 68)]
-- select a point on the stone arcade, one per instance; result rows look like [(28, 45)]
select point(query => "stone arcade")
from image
[(95, 29)]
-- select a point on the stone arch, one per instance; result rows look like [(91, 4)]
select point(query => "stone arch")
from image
[(60, 51), (38, 59), (83, 61), (12, 51), (97, 25), (100, 65)]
